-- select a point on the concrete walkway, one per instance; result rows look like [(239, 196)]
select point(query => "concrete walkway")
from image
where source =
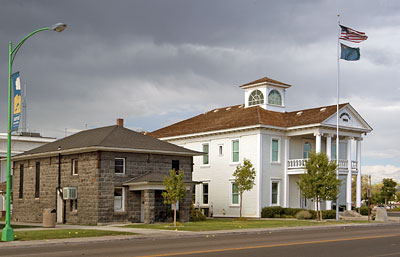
[(152, 234)]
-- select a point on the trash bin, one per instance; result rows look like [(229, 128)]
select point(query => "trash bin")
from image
[(49, 218)]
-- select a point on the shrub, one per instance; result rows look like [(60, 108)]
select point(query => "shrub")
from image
[(271, 212), (364, 210), (303, 215), (328, 214), (292, 211), (196, 215)]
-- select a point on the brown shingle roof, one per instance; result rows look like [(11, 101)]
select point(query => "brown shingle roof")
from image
[(238, 116), (266, 80), (109, 137)]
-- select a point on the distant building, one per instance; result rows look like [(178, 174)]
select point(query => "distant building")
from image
[(20, 142), (102, 175), (276, 142)]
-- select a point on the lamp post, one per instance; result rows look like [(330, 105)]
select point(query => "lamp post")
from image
[(7, 232)]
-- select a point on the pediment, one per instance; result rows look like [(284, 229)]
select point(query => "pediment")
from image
[(348, 117)]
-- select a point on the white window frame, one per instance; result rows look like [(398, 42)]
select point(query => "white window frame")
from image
[(231, 195), (279, 150), (231, 152), (74, 172), (202, 194), (202, 156), (279, 193), (124, 165), (122, 200)]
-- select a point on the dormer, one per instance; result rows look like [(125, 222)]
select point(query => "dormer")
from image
[(267, 93)]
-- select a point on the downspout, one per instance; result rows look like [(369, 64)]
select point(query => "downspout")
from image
[(59, 185)]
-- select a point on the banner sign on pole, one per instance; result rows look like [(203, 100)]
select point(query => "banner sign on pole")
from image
[(16, 81)]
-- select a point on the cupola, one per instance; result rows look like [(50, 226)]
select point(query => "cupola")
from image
[(267, 93)]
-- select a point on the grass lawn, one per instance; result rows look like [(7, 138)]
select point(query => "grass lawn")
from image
[(64, 233), (228, 224)]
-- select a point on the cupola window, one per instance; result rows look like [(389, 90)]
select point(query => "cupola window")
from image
[(256, 97), (274, 98)]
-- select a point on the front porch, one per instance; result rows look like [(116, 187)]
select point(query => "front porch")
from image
[(297, 148)]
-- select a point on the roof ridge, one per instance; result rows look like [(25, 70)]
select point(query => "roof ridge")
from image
[(108, 135), (319, 107)]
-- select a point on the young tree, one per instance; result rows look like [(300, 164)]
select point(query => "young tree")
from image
[(319, 182), (175, 189), (388, 189), (244, 179)]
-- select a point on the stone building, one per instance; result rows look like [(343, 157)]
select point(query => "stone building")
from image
[(102, 175)]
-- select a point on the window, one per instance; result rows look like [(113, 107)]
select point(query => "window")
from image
[(175, 165), (275, 150), (74, 167), (37, 180), (120, 165), (333, 151), (73, 205), (274, 97), (274, 193), (306, 150), (205, 154), (21, 181), (256, 97), (119, 199), (235, 194), (220, 152), (205, 193), (235, 151)]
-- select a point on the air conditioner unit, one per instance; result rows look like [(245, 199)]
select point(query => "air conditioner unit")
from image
[(70, 193)]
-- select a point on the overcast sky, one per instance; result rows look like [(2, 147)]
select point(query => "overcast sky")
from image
[(154, 63)]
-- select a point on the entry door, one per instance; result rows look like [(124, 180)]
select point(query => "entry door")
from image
[(142, 207), (60, 210)]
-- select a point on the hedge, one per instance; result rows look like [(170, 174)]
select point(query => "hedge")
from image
[(279, 212)]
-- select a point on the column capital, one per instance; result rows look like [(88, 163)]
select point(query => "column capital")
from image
[(358, 138), (328, 135), (349, 138), (317, 134)]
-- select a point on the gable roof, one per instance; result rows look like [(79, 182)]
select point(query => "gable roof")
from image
[(237, 116), (111, 138)]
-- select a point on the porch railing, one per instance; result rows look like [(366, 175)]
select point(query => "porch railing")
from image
[(301, 164)]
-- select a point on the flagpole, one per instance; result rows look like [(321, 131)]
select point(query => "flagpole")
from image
[(337, 115)]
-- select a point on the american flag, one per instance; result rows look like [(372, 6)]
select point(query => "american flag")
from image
[(352, 35)]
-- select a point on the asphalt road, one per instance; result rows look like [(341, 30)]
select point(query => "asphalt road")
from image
[(355, 241)]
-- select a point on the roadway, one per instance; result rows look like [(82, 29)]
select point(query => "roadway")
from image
[(348, 241)]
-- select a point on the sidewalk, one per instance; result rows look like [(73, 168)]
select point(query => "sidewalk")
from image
[(143, 234)]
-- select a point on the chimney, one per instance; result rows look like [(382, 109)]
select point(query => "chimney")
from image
[(120, 122)]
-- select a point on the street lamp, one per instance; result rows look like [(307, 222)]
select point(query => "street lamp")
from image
[(7, 232)]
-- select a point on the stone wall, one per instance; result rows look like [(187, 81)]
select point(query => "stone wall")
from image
[(95, 181), (30, 209)]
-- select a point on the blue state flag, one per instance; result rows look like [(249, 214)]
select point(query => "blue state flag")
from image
[(16, 83), (349, 53)]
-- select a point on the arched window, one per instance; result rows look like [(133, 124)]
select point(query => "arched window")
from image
[(274, 97), (306, 150), (256, 97)]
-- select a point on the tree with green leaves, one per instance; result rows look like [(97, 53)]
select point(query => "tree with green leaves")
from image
[(319, 182), (175, 189), (388, 190), (244, 179)]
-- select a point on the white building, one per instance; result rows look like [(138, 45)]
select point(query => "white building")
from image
[(21, 142), (277, 143)]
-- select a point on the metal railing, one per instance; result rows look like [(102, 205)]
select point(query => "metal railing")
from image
[(301, 164)]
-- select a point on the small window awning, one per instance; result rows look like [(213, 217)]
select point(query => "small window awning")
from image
[(151, 180)]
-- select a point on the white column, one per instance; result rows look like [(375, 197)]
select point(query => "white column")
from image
[(317, 142), (286, 178), (358, 187), (348, 181), (260, 185), (328, 204)]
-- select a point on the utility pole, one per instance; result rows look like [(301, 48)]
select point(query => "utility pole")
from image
[(369, 197)]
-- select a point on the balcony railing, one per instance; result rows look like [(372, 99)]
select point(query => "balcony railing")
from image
[(301, 164)]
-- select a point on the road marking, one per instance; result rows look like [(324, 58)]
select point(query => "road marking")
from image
[(268, 246), (389, 254)]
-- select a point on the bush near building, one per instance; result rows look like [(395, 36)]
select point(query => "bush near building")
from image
[(279, 212)]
